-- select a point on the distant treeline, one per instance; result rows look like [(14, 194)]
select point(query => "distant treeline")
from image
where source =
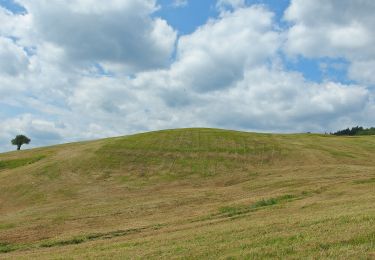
[(358, 130)]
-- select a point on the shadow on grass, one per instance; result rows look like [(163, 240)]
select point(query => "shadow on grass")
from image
[(365, 181), (230, 211), (91, 237), (367, 241), (6, 247)]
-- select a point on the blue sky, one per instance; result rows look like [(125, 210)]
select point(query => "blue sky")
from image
[(188, 17), (12, 6), (88, 69)]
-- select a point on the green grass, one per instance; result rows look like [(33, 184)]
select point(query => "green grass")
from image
[(6, 248), (192, 194), (366, 181), (272, 201), (7, 226), (242, 209), (15, 163), (90, 237)]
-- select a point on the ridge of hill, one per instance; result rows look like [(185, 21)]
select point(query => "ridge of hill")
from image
[(193, 193)]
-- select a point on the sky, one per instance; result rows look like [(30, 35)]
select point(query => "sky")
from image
[(74, 70)]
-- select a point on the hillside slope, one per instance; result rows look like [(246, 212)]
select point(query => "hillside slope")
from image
[(196, 193)]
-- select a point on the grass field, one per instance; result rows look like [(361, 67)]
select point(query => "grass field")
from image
[(191, 193)]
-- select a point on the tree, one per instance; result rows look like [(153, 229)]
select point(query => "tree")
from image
[(20, 140), (357, 130)]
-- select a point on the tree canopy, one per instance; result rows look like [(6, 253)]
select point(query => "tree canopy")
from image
[(358, 130), (20, 140)]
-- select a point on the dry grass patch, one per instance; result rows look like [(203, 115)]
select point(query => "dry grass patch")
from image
[(191, 193)]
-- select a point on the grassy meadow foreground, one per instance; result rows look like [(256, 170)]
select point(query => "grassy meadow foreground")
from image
[(191, 193)]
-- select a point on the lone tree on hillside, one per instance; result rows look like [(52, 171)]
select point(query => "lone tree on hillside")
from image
[(20, 140)]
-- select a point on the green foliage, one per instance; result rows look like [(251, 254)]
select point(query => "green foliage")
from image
[(358, 130), (20, 140)]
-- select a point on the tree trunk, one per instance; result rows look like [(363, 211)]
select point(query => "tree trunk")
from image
[(18, 147)]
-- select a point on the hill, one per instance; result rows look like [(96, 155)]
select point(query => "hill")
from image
[(193, 193)]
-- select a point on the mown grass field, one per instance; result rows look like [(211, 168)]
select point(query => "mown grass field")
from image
[(191, 193)]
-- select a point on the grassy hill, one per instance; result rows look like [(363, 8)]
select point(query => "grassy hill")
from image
[(193, 193)]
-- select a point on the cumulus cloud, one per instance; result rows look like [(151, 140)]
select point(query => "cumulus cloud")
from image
[(215, 56), (334, 28), (17, 27), (197, 91), (363, 71), (79, 70), (331, 28), (13, 59), (270, 99), (104, 32)]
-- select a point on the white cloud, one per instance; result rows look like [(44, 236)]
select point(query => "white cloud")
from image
[(336, 29), (70, 83), (18, 27), (258, 94), (215, 55), (363, 71), (89, 31), (276, 100), (13, 59)]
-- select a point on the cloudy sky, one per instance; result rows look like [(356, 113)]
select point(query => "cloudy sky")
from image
[(84, 69)]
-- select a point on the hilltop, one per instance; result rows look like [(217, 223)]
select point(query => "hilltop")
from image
[(195, 193)]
